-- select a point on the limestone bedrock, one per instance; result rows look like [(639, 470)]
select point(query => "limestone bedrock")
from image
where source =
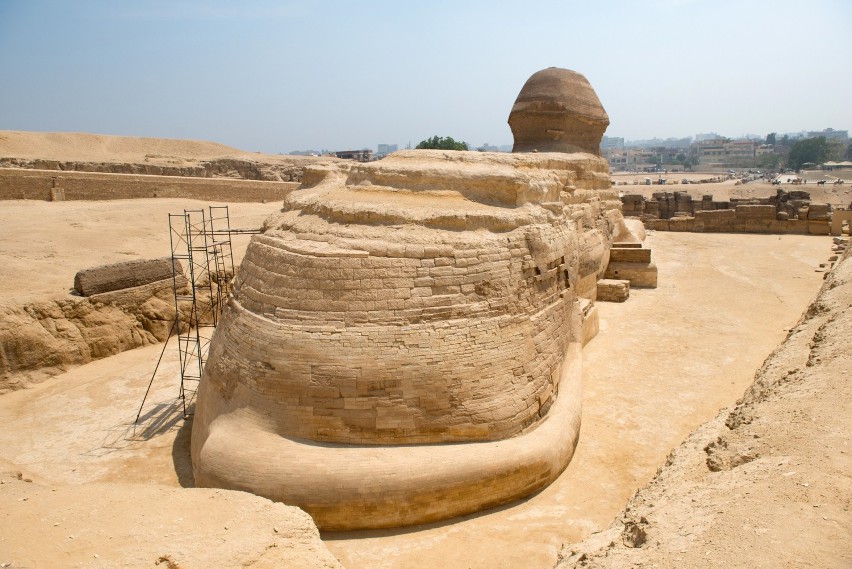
[(402, 344)]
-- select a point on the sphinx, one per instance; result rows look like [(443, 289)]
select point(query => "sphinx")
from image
[(403, 342)]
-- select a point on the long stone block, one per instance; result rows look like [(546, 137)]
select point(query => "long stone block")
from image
[(118, 276), (630, 255)]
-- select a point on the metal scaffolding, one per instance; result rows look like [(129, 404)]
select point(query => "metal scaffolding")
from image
[(205, 253), (202, 272)]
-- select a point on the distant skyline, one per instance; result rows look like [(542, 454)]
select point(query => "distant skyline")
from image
[(284, 76)]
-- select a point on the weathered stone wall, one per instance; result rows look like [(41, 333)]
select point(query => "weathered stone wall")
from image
[(16, 184), (786, 212), (400, 335), (216, 168)]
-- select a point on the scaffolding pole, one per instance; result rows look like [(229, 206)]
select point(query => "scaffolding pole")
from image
[(202, 274)]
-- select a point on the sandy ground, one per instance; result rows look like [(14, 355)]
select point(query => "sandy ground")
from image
[(765, 484), (85, 147), (44, 244), (664, 362)]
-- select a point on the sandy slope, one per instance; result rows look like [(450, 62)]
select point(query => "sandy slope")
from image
[(82, 147)]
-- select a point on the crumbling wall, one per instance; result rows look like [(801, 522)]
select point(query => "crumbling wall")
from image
[(786, 212), (16, 184)]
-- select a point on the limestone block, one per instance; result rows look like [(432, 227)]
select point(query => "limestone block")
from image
[(640, 275), (591, 320), (766, 212), (117, 276), (612, 290), (629, 254), (819, 212), (681, 223), (819, 227)]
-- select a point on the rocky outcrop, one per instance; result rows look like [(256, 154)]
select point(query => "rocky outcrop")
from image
[(41, 339), (145, 525), (557, 111)]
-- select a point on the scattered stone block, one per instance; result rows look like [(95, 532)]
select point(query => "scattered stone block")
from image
[(612, 290), (127, 274)]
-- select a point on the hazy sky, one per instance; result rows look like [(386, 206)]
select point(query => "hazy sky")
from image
[(289, 75)]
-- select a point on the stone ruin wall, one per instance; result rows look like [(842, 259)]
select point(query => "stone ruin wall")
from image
[(48, 185), (786, 212), (218, 168)]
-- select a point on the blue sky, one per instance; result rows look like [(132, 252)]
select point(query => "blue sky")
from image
[(282, 76)]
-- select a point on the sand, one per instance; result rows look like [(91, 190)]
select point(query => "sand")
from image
[(83, 147), (664, 362), (44, 244)]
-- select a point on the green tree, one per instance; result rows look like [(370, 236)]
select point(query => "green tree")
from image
[(442, 143), (769, 161), (814, 150), (848, 155), (770, 138), (835, 150)]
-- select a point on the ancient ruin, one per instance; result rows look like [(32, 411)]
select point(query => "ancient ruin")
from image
[(785, 212), (403, 340), (557, 111)]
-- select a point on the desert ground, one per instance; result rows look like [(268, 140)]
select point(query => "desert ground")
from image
[(663, 363)]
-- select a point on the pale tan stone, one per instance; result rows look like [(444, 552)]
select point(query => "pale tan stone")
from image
[(403, 341)]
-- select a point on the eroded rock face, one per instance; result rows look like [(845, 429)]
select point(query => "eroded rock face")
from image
[(557, 111), (428, 298)]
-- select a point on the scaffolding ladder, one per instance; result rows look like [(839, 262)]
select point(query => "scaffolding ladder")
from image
[(200, 241)]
